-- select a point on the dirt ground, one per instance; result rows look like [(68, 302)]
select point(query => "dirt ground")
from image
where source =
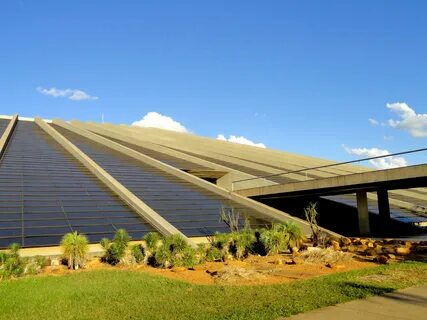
[(255, 270)]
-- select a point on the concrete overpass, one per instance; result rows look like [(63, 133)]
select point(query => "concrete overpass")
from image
[(379, 181)]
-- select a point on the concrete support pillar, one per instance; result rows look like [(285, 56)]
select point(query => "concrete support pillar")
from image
[(383, 208), (363, 213)]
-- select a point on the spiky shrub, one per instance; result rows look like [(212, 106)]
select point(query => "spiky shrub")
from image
[(115, 250), (11, 264), (75, 247), (281, 237), (172, 251), (243, 242), (275, 240), (223, 242), (137, 252), (295, 235), (151, 242)]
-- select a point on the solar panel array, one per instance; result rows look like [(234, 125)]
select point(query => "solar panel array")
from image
[(45, 193), (191, 209)]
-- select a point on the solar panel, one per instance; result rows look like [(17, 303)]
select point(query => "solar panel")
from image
[(45, 193)]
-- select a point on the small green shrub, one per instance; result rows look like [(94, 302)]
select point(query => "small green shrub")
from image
[(151, 242), (281, 237), (137, 252), (115, 250), (174, 251), (11, 264), (75, 247), (34, 265)]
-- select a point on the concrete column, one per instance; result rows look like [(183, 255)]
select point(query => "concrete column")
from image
[(363, 213), (383, 208)]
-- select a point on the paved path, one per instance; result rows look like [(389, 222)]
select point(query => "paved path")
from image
[(408, 304)]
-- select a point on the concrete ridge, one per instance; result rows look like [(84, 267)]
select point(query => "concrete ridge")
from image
[(7, 134)]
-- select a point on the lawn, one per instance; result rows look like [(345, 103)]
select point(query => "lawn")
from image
[(117, 294)]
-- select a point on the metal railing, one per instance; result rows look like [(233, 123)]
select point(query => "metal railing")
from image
[(327, 166)]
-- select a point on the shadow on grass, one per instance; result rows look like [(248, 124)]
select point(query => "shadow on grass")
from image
[(358, 290)]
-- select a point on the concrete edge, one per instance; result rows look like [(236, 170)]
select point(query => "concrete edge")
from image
[(146, 212), (7, 134), (261, 208)]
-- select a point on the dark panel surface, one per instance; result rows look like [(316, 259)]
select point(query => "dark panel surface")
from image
[(45, 193), (190, 208)]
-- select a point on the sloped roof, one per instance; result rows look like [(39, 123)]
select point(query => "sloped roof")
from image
[(57, 177)]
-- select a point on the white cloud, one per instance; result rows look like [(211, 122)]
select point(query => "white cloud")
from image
[(415, 124), (72, 94), (241, 140), (157, 120), (374, 122), (381, 163)]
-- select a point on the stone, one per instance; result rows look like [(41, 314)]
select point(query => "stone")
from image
[(370, 244), (371, 252), (54, 262), (345, 241), (278, 261), (382, 260), (408, 244), (178, 269), (335, 245), (403, 251), (352, 248), (298, 260), (290, 261), (391, 256)]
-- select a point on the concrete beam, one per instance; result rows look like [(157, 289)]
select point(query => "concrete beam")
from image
[(368, 181), (363, 213), (7, 134), (263, 209), (151, 216)]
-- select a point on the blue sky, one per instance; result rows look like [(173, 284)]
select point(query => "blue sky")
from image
[(300, 76)]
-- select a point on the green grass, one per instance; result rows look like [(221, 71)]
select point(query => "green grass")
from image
[(120, 294)]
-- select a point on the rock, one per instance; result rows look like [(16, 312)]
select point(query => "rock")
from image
[(352, 248), (378, 249), (295, 250), (382, 260), (371, 252), (370, 244), (290, 261), (54, 262), (334, 266), (345, 241), (388, 249), (391, 256), (361, 249), (408, 244), (364, 241), (335, 245), (403, 251), (297, 260), (278, 261)]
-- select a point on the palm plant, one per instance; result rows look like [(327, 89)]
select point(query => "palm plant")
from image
[(75, 247), (275, 240), (295, 235)]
